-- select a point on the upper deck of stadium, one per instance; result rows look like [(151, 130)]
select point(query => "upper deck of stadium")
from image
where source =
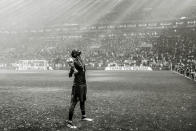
[(21, 15)]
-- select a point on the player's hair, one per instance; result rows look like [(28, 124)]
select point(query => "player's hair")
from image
[(75, 53)]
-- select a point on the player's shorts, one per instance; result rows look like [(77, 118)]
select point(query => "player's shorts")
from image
[(79, 92)]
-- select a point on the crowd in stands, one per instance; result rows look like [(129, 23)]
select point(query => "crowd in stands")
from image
[(167, 50), (188, 70)]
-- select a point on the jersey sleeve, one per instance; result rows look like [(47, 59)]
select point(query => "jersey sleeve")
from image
[(78, 66)]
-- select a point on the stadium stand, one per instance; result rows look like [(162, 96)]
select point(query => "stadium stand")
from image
[(142, 48), (158, 41)]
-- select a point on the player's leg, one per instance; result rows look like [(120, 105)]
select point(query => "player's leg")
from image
[(73, 103), (71, 109), (82, 107), (83, 91)]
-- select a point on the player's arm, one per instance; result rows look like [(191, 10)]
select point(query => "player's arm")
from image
[(71, 71), (79, 64)]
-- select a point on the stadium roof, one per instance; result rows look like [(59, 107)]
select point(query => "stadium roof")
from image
[(21, 14)]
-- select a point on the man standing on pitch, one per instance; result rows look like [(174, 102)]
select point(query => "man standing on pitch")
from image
[(79, 88)]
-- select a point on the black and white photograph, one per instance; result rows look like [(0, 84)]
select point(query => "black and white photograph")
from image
[(97, 65)]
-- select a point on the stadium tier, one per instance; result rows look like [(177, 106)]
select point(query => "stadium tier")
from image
[(156, 44), (146, 37)]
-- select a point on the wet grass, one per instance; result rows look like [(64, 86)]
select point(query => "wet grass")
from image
[(126, 101)]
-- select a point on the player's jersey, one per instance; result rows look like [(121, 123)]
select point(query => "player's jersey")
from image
[(80, 78)]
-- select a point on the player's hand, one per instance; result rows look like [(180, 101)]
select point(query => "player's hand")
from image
[(70, 75), (69, 60)]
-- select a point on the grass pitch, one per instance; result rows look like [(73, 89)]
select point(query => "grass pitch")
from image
[(117, 101)]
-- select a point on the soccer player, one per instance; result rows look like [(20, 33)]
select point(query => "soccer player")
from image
[(79, 88)]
